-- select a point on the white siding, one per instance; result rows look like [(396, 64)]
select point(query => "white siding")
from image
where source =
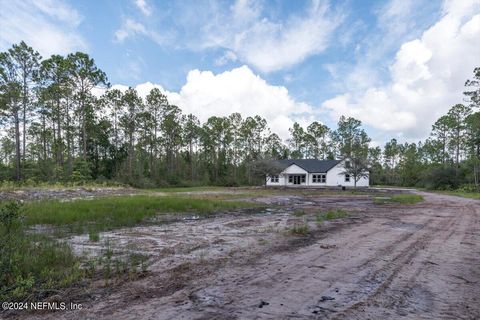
[(294, 169), (334, 178), (283, 177), (281, 181)]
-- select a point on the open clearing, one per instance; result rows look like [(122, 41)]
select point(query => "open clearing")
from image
[(288, 260)]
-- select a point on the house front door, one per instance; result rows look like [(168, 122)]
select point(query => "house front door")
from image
[(298, 179)]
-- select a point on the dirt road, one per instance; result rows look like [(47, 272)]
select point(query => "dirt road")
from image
[(383, 262)]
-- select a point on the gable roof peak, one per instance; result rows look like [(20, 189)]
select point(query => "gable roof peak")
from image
[(310, 165)]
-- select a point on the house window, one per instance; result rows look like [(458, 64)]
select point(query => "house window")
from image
[(290, 179), (319, 178), (303, 178), (347, 164), (274, 179), (347, 177)]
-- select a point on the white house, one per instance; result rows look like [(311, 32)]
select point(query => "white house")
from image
[(314, 173)]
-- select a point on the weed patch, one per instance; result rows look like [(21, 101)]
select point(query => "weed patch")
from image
[(35, 265), (399, 198), (93, 236), (330, 215), (299, 213), (30, 264), (299, 229)]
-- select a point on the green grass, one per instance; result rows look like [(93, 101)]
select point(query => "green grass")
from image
[(299, 229), (299, 212), (34, 265), (112, 212), (392, 186), (188, 189), (399, 198), (331, 215), (463, 194), (29, 263), (93, 235)]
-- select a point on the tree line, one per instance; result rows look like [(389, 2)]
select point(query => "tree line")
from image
[(55, 129)]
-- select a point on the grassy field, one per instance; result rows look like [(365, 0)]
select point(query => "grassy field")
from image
[(470, 195), (187, 189), (112, 212), (399, 198), (34, 264)]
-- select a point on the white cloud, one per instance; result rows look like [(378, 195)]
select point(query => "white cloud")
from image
[(397, 21), (427, 77), (460, 9), (206, 94), (396, 16), (143, 6), (268, 44), (248, 32), (226, 58), (239, 90), (59, 10), (48, 26), (130, 28)]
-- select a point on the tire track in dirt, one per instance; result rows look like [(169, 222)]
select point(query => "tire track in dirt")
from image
[(402, 253), (252, 275), (420, 293), (384, 296)]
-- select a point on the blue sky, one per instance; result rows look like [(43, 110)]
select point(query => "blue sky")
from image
[(393, 64)]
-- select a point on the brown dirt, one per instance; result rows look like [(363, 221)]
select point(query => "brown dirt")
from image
[(30, 194), (382, 262)]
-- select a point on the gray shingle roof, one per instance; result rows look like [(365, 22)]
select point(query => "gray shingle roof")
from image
[(310, 165)]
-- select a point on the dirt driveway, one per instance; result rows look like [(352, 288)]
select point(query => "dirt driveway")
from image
[(382, 262)]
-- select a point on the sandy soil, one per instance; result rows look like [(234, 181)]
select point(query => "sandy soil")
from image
[(63, 193), (382, 262)]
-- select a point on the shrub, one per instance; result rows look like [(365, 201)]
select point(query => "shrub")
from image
[(10, 235), (81, 171), (30, 262), (469, 187), (441, 179)]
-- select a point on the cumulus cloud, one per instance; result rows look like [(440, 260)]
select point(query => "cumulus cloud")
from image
[(206, 94), (373, 47), (269, 44), (48, 26), (426, 76)]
